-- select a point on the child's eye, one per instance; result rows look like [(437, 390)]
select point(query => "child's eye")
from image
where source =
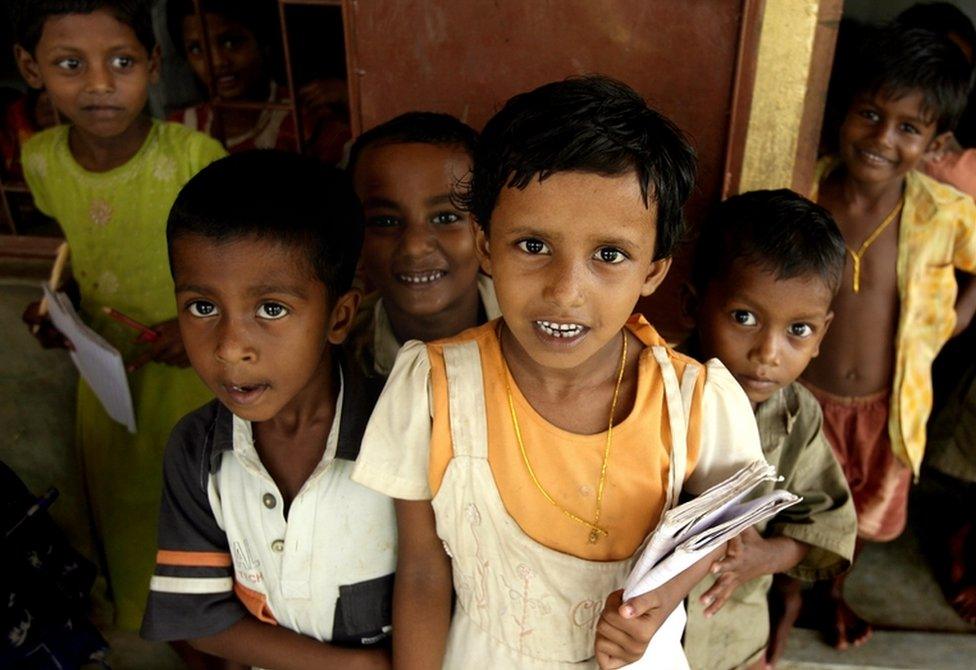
[(909, 128), (869, 114), (743, 317), (272, 311), (533, 246), (382, 221), (194, 48), (123, 62), (800, 330), (69, 63), (445, 218), (610, 255), (201, 308)]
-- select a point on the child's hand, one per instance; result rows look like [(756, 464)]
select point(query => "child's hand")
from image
[(166, 349), (624, 631), (322, 96), (747, 557), (42, 328)]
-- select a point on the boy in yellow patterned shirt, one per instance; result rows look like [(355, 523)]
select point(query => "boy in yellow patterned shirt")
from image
[(905, 235)]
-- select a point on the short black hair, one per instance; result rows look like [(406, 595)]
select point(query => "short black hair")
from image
[(943, 18), (779, 231), (258, 16), (417, 128), (894, 60), (281, 196), (584, 124), (28, 17)]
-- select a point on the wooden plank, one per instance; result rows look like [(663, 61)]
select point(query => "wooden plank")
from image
[(29, 246)]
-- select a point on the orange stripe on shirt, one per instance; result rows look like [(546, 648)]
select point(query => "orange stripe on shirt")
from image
[(255, 602), (198, 559)]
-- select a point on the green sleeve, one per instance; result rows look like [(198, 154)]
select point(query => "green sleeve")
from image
[(32, 157), (825, 518)]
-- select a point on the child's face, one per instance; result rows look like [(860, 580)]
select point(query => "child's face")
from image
[(256, 322), (883, 138), (764, 330), (237, 58), (95, 69), (570, 256), (418, 249)]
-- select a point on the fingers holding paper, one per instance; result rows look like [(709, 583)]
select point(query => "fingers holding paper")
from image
[(166, 348), (624, 630)]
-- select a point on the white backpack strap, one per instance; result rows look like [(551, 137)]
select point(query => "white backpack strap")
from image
[(466, 399), (678, 407)]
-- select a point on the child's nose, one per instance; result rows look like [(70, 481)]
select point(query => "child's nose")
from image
[(233, 345), (100, 79), (767, 350), (417, 240), (564, 287)]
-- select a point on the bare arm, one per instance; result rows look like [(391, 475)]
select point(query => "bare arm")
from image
[(263, 645), (747, 557), (422, 591)]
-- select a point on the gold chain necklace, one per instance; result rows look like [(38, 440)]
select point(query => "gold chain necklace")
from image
[(595, 529), (857, 255)]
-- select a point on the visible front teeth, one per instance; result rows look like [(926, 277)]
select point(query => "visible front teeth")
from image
[(421, 278), (560, 329)]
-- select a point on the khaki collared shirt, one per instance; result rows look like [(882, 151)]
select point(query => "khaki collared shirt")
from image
[(937, 235), (374, 345), (790, 432)]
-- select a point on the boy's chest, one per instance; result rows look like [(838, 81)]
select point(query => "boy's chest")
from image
[(338, 537)]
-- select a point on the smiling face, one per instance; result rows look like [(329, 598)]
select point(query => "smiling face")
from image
[(883, 138), (764, 330), (95, 70), (238, 61), (256, 322), (419, 248), (569, 257)]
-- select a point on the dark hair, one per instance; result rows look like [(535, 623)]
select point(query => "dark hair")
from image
[(281, 196), (29, 16), (943, 18), (258, 16), (586, 124), (417, 128), (779, 231), (895, 60)]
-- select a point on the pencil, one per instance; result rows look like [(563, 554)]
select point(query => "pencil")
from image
[(60, 260), (148, 334)]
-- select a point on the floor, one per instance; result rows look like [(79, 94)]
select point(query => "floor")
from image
[(891, 585)]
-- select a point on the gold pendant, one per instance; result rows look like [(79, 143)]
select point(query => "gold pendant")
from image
[(594, 536)]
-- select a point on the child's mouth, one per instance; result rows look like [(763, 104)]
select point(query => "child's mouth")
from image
[(420, 278), (244, 394), (560, 331)]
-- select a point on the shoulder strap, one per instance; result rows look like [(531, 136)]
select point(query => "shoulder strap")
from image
[(466, 399), (678, 398)]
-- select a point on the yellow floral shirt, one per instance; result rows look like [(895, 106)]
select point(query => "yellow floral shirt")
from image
[(937, 236)]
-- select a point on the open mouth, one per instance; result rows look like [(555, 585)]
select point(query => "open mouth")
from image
[(873, 158), (420, 278), (227, 80), (244, 394), (556, 330)]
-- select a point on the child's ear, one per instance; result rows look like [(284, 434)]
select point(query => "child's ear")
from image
[(343, 316), (28, 67), (937, 147), (690, 304), (823, 333), (656, 273), (481, 248), (155, 64)]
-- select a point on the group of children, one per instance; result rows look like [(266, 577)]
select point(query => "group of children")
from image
[(492, 425)]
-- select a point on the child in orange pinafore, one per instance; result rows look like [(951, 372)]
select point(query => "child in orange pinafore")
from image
[(531, 457)]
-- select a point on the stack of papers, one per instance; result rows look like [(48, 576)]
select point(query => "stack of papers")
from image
[(98, 362), (690, 531)]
